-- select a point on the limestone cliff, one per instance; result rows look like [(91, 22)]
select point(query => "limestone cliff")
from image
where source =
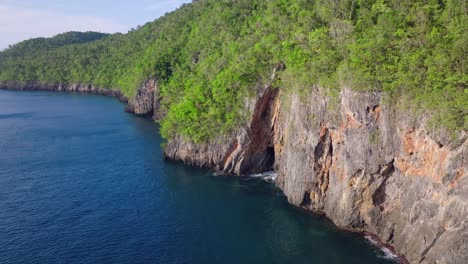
[(369, 167), (146, 101), (364, 164)]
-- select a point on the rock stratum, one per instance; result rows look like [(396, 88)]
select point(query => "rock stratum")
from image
[(360, 161)]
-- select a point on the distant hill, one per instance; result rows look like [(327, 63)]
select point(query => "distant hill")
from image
[(37, 45)]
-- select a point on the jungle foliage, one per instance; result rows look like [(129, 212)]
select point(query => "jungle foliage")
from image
[(208, 57)]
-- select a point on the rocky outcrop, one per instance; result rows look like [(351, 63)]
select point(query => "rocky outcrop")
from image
[(249, 149), (63, 87), (146, 100), (364, 164)]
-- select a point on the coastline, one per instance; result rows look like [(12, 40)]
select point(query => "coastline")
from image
[(64, 87), (389, 251), (89, 89)]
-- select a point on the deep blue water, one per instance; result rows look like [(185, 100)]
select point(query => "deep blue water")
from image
[(81, 181)]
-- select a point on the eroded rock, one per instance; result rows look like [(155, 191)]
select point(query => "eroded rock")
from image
[(384, 175), (143, 103)]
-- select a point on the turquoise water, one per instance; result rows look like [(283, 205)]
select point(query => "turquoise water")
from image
[(81, 181)]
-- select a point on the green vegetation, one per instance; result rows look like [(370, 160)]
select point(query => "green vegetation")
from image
[(209, 55), (39, 45), (374, 137)]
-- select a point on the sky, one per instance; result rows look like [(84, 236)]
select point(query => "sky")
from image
[(25, 19)]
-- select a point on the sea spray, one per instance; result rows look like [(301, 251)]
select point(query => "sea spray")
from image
[(269, 176), (387, 253)]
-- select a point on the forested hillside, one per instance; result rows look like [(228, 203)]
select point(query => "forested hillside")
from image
[(38, 45), (209, 55)]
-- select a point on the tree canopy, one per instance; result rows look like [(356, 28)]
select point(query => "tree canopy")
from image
[(209, 55)]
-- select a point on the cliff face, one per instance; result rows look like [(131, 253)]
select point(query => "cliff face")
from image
[(367, 168), (146, 101), (365, 165)]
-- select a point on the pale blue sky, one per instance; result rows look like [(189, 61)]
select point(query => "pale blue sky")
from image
[(24, 19)]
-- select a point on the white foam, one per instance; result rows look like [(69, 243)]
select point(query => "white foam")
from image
[(218, 173), (371, 240), (269, 176), (387, 253)]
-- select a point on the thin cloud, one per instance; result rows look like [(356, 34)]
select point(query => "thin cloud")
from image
[(17, 24), (163, 6)]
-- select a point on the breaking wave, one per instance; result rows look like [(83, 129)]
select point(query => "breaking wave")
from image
[(386, 252), (269, 176)]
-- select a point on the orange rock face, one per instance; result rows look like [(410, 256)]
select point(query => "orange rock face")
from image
[(422, 156)]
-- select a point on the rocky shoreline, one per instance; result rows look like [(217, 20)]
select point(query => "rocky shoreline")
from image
[(136, 105), (63, 87), (386, 249), (366, 165)]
